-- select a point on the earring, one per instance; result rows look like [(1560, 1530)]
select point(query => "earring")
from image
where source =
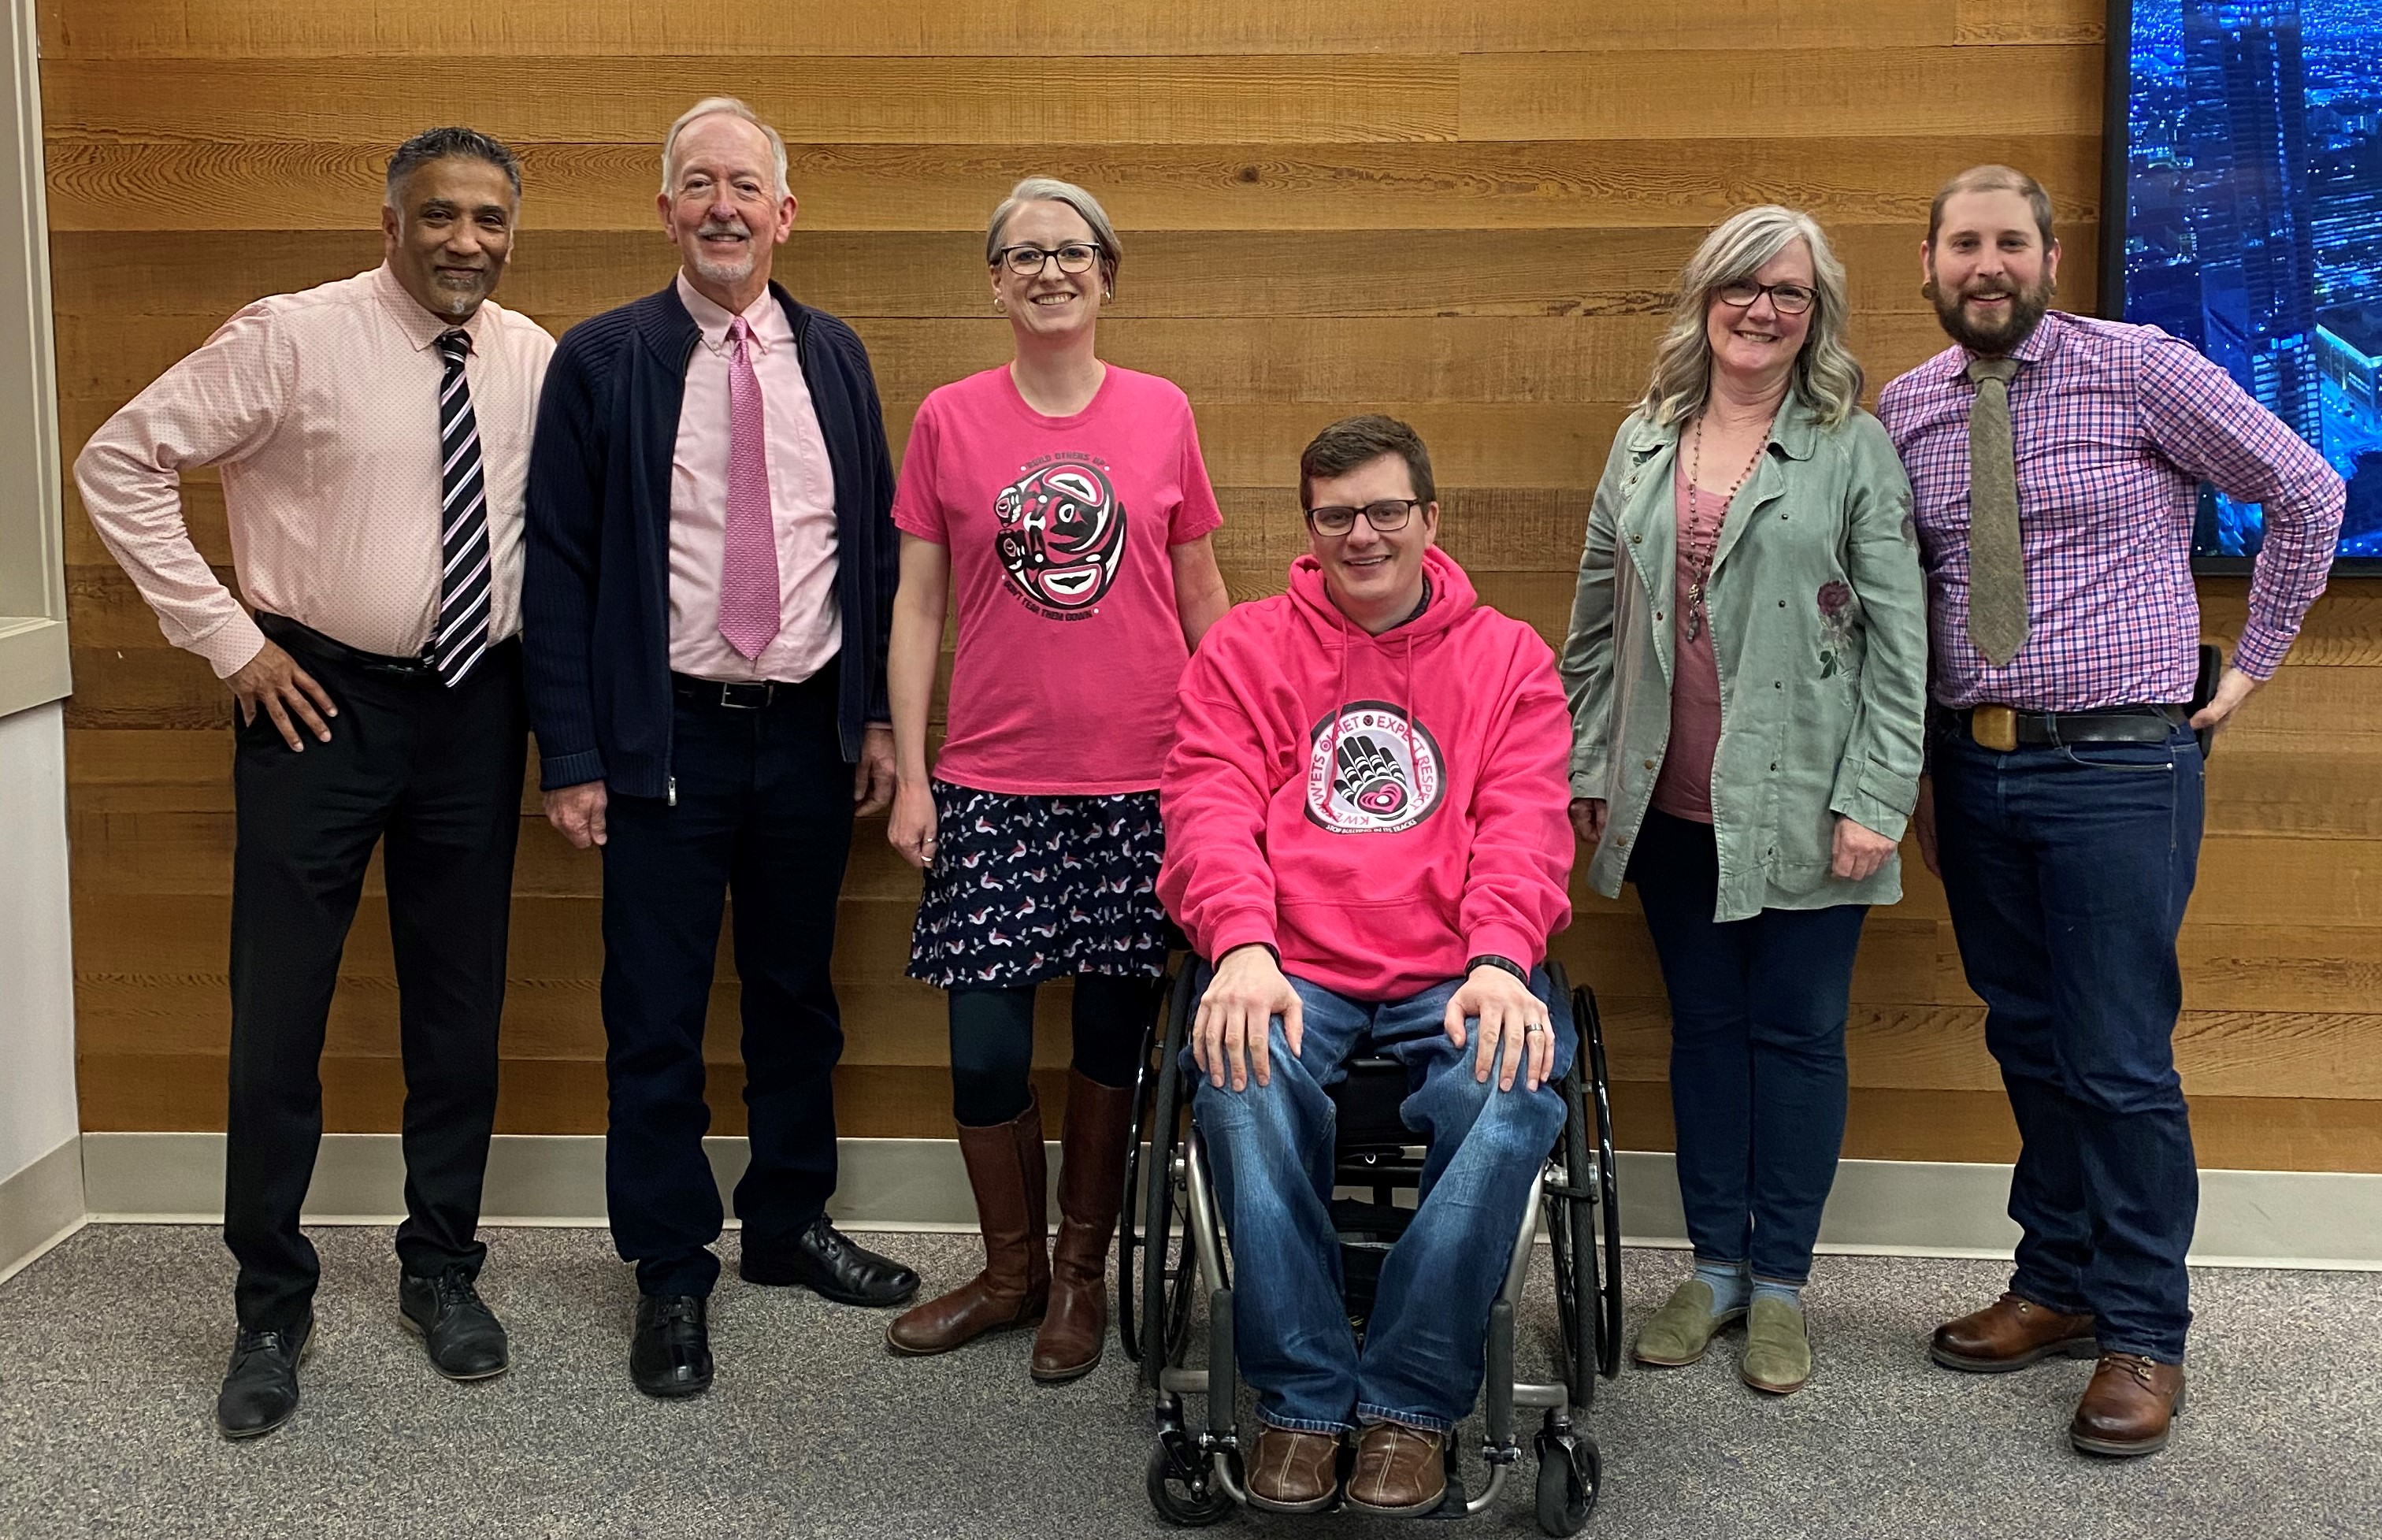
[(1000, 304)]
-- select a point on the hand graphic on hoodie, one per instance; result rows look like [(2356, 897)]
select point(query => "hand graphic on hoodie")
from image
[(1367, 775)]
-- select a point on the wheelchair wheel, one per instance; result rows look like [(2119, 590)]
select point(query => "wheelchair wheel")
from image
[(1133, 1231), (1608, 1197), (1571, 1238), (1155, 1275), (1184, 1497), (1571, 1473)]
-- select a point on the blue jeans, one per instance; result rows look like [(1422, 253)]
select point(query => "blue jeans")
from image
[(2067, 870), (1757, 1079), (1271, 1147)]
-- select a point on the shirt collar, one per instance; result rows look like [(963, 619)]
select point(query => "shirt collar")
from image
[(423, 328), (2040, 344), (765, 316)]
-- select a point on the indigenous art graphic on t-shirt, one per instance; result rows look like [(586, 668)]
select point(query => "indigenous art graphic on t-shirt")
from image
[(1060, 535), (1372, 768)]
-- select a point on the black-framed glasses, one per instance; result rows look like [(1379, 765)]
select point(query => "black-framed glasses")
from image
[(1075, 256), (1389, 516), (1792, 299)]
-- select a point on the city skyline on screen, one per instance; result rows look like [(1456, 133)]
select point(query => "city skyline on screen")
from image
[(2254, 223)]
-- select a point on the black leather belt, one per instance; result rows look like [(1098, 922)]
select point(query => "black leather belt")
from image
[(305, 638), (740, 695), (2004, 728)]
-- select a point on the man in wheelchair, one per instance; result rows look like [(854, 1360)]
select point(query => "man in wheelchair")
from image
[(1365, 829)]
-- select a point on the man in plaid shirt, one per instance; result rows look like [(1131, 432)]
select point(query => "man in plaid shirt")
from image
[(2064, 812)]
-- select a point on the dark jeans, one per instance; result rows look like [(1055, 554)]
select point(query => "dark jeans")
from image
[(1273, 1144), (764, 812), (1758, 1081), (433, 776), (2067, 870)]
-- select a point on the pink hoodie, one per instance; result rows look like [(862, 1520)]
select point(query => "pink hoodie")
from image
[(1378, 809)]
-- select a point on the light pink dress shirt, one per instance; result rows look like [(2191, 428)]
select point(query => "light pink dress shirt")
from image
[(802, 503), (322, 408)]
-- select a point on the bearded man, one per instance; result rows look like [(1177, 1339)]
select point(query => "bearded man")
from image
[(710, 580), (2056, 461)]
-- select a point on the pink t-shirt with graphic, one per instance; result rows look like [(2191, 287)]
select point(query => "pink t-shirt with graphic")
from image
[(1069, 644)]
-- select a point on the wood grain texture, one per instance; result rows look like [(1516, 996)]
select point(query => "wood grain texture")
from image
[(1470, 216)]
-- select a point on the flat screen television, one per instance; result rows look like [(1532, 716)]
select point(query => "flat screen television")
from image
[(2241, 211)]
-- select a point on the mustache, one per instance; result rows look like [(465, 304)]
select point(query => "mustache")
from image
[(724, 227)]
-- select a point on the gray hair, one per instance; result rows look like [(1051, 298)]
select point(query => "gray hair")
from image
[(1826, 375), (1038, 190), (724, 106), (446, 143)]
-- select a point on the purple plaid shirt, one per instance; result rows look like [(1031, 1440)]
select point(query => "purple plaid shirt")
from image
[(2114, 426)]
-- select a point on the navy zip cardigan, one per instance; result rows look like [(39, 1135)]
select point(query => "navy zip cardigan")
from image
[(595, 587)]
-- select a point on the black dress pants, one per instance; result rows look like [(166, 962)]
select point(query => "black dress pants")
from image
[(434, 776), (763, 811)]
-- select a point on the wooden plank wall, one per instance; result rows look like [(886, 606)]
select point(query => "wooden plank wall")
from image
[(1463, 211)]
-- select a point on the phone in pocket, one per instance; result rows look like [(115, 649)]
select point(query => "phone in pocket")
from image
[(2203, 690)]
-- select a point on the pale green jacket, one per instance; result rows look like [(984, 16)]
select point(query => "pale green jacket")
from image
[(1819, 625)]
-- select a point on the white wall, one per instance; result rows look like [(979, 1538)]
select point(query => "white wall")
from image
[(37, 1073)]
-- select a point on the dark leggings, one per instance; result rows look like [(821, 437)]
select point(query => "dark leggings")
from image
[(992, 1041)]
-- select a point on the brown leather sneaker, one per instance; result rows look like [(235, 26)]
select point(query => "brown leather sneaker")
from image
[(2010, 1334), (2129, 1407), (1400, 1471), (1293, 1471)]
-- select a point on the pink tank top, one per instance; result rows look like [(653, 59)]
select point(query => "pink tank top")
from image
[(1684, 787)]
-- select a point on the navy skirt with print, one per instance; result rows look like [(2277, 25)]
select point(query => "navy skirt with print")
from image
[(1029, 888)]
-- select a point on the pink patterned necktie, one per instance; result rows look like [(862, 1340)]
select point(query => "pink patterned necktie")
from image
[(748, 569)]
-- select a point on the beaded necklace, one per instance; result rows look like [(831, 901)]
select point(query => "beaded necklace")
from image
[(1704, 546)]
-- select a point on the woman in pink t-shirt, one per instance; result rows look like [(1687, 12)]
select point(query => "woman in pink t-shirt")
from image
[(1063, 502)]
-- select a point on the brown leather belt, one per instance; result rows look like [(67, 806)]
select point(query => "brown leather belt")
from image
[(2004, 728)]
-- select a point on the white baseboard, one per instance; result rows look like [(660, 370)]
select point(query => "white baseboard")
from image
[(40, 1206), (1919, 1208)]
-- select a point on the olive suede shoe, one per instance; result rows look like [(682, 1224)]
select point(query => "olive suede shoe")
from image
[(1684, 1327), (1777, 1348)]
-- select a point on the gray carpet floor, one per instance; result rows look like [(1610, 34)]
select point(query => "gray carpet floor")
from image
[(114, 1341)]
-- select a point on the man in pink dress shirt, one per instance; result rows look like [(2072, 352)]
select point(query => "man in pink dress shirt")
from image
[(710, 580), (373, 437)]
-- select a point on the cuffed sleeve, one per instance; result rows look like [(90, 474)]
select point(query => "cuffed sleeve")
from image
[(1588, 659), (1877, 780)]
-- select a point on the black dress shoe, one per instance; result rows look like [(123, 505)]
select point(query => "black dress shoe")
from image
[(824, 1259), (670, 1354), (259, 1389), (463, 1338)]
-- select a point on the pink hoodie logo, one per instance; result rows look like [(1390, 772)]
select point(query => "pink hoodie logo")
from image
[(1372, 768)]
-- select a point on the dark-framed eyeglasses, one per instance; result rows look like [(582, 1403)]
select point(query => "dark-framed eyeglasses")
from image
[(1389, 516), (1792, 299), (1075, 256)]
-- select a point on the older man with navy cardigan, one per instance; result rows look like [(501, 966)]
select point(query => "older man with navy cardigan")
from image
[(711, 573)]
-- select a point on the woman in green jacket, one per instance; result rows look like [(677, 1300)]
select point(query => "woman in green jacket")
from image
[(1746, 666)]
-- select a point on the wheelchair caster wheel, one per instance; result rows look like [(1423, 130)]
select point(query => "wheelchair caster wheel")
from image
[(1183, 1498), (1570, 1475)]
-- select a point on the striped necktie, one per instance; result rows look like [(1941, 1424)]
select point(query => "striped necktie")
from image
[(464, 582)]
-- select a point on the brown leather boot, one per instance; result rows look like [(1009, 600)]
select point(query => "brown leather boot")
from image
[(2129, 1407), (2009, 1333), (1091, 1183), (1007, 1170)]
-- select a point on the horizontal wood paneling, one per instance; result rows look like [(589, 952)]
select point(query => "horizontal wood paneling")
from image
[(1468, 215)]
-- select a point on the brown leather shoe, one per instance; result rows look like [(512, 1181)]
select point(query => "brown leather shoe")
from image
[(1293, 1471), (2129, 1407), (2010, 1334), (1091, 1184), (1007, 1170), (1400, 1470)]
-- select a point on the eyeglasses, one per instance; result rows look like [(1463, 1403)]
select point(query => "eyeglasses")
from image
[(1388, 516), (1026, 261), (1792, 299)]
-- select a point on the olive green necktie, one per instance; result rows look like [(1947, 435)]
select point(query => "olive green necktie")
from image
[(1996, 564)]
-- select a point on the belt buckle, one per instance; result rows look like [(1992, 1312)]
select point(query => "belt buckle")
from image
[(729, 702), (1994, 727)]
